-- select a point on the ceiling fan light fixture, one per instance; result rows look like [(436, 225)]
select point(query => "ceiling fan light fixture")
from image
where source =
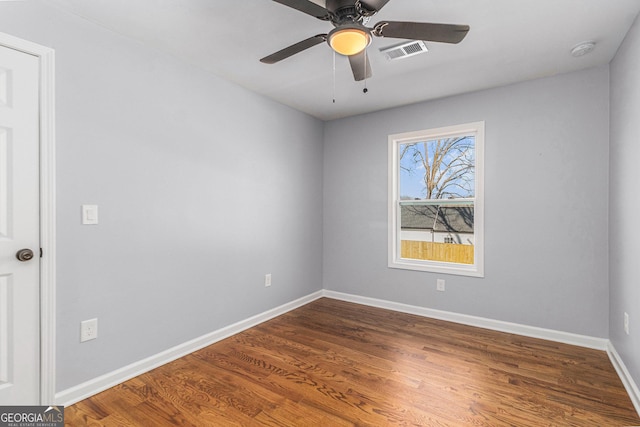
[(349, 39)]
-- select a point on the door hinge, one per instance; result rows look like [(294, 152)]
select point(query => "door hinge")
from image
[(40, 252)]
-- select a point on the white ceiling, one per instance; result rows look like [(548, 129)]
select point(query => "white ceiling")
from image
[(509, 41)]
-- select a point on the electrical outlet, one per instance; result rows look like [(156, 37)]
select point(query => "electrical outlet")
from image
[(88, 330), (440, 285), (626, 323), (267, 280)]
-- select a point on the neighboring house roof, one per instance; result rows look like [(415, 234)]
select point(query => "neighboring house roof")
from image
[(452, 219)]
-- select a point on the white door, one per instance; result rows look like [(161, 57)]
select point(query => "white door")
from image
[(19, 229)]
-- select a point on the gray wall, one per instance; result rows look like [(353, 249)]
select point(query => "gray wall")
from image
[(203, 187), (546, 211), (624, 201)]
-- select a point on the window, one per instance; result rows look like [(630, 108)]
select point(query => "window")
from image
[(436, 215)]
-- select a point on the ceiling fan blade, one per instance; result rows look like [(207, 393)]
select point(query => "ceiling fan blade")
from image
[(360, 66), (293, 49), (373, 5), (443, 33), (307, 7)]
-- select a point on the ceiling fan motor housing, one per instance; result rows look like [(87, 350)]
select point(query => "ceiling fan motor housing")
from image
[(344, 12)]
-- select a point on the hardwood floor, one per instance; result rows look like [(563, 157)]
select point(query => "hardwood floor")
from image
[(333, 363)]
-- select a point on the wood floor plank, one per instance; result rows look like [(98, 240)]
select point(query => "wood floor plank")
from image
[(334, 363)]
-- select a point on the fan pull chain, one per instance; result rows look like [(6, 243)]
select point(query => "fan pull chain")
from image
[(334, 77), (366, 58)]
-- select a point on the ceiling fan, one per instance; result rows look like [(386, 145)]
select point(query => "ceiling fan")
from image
[(350, 37)]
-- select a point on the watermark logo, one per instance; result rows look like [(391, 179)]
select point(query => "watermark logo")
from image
[(31, 416)]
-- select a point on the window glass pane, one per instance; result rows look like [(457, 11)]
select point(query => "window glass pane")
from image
[(442, 232), (436, 206), (438, 169)]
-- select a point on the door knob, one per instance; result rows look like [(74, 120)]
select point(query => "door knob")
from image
[(24, 255)]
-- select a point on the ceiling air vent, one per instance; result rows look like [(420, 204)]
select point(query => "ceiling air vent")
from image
[(404, 50)]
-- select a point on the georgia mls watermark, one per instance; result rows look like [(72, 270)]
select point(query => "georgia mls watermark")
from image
[(31, 416)]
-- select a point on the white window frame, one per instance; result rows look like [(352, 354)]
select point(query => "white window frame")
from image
[(395, 261)]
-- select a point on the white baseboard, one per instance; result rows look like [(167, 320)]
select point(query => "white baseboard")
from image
[(625, 376), (87, 389), (481, 322)]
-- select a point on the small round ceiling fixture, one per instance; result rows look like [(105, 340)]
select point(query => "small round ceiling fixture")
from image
[(583, 48)]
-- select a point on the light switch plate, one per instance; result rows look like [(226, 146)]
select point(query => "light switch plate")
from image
[(89, 214)]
